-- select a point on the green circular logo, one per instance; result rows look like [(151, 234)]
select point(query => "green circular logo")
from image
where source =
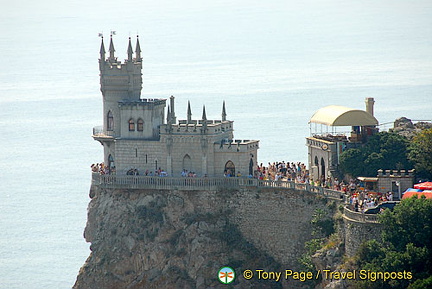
[(226, 275)]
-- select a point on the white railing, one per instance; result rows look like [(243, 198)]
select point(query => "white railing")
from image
[(360, 217), (98, 131), (184, 183)]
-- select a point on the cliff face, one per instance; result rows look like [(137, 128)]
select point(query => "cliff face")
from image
[(180, 239)]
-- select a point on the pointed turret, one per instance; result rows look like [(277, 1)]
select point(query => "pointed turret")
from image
[(204, 116), (204, 121), (130, 50), (172, 116), (189, 113), (111, 50), (223, 112), (138, 51), (168, 115), (102, 51)]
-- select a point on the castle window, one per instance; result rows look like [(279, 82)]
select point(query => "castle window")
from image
[(110, 121), (131, 125), (140, 125), (229, 169), (187, 163)]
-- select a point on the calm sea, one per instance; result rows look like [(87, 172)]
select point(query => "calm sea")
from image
[(274, 62)]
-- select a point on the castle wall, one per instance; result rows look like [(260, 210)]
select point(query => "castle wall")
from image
[(139, 155), (356, 232), (388, 180), (152, 115)]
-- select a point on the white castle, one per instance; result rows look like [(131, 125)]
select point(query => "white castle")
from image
[(137, 136)]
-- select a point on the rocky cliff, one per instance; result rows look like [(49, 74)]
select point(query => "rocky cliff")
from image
[(180, 239)]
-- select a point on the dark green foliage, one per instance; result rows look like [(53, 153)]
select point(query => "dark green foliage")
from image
[(322, 225), (406, 245), (385, 150), (422, 284), (421, 153)]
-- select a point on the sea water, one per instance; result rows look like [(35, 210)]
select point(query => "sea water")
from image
[(274, 62)]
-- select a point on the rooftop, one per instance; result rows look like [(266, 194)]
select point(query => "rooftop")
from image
[(336, 115)]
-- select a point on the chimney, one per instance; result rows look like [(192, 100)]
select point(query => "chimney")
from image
[(369, 101)]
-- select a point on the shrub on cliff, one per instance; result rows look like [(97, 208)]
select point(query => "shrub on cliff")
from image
[(421, 153), (405, 246)]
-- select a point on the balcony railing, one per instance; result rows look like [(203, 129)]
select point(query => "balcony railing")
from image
[(98, 131), (185, 183), (360, 217)]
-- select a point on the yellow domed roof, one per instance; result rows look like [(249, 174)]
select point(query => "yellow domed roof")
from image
[(336, 115)]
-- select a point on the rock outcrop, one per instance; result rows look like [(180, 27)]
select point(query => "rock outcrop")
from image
[(180, 239), (405, 127)]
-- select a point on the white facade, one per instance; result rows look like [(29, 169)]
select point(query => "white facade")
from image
[(137, 135)]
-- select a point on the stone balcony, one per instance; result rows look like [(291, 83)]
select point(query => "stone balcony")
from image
[(102, 135), (209, 183)]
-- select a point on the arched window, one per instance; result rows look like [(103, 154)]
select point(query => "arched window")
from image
[(187, 162), (140, 125), (316, 162), (110, 121), (229, 169), (131, 125)]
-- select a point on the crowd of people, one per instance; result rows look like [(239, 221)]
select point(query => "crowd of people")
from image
[(359, 199), (102, 169), (288, 171)]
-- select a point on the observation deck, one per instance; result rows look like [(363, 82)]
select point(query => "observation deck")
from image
[(206, 183)]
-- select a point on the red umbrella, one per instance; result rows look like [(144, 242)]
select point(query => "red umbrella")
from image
[(409, 194), (424, 186)]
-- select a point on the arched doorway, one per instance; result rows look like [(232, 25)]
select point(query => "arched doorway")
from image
[(322, 168), (111, 164), (251, 164), (317, 167), (229, 169), (187, 163)]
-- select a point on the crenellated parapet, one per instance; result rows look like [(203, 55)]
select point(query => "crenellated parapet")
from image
[(396, 173), (236, 145)]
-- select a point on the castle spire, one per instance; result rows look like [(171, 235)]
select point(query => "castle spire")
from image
[(168, 115), (189, 113), (111, 50), (204, 116), (204, 121), (172, 116), (223, 112), (102, 50), (130, 51), (138, 51)]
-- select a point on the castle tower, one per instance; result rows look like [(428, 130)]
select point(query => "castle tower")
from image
[(119, 82)]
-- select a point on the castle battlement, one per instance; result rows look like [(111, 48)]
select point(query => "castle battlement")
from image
[(142, 102)]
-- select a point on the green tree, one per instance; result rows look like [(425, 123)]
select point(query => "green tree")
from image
[(385, 150), (405, 245), (420, 153)]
